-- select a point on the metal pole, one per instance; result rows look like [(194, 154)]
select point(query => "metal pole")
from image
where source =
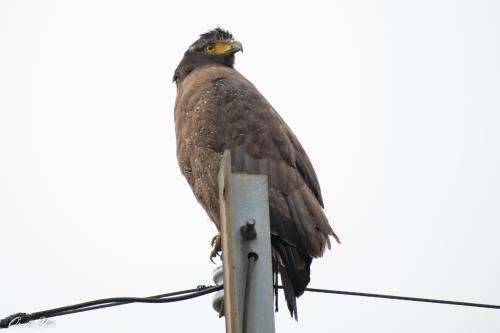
[(246, 251)]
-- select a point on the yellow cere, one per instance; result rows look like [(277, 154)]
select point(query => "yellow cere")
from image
[(218, 47)]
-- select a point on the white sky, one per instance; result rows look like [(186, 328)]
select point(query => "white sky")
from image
[(396, 102)]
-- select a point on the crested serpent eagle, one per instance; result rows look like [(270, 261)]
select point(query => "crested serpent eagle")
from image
[(217, 108)]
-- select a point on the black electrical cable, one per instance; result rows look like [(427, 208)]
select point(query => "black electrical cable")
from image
[(252, 258), (95, 307), (401, 298), (21, 318)]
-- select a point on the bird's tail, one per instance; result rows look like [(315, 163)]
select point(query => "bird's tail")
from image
[(294, 268)]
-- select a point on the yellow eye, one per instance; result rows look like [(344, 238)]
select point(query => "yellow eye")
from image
[(210, 48), (217, 47)]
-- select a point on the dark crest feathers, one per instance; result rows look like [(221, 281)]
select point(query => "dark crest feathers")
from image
[(217, 34)]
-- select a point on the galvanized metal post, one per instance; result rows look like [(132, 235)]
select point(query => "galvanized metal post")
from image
[(246, 251)]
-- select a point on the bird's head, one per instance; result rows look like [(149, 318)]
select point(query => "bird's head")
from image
[(216, 46)]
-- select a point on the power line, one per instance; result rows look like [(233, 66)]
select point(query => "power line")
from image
[(95, 307), (401, 298), (21, 318)]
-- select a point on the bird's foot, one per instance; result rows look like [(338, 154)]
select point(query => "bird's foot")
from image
[(216, 246)]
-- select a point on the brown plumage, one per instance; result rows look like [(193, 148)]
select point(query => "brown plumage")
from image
[(217, 109)]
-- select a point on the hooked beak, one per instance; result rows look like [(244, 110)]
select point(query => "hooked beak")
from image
[(235, 47)]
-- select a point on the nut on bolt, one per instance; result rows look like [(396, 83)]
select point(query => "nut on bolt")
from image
[(248, 231)]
